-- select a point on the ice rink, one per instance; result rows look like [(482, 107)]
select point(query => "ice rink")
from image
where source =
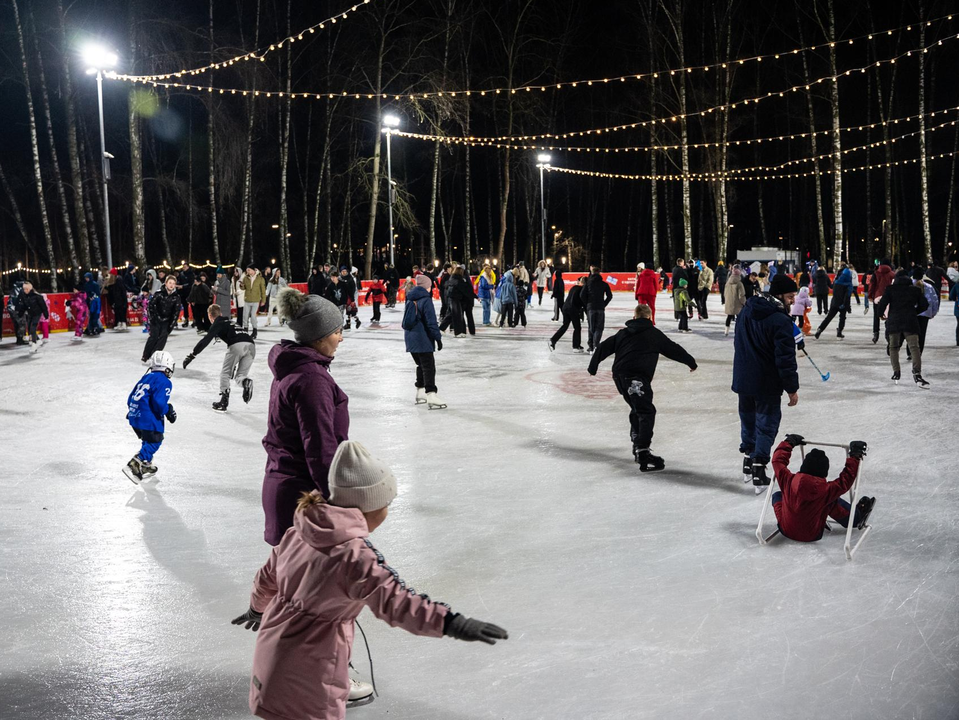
[(626, 595)]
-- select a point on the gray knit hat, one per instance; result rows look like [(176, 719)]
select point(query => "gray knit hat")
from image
[(311, 317), (359, 480)]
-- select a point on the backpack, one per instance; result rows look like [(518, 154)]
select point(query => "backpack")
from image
[(411, 316)]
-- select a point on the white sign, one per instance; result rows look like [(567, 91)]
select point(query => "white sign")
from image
[(611, 279)]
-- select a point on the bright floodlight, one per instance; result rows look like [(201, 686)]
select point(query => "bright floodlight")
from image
[(543, 158), (98, 57), (391, 120)]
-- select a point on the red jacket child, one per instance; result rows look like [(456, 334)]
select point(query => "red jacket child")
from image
[(378, 291), (806, 498)]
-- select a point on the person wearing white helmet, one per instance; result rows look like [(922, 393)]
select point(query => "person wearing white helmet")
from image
[(148, 405)]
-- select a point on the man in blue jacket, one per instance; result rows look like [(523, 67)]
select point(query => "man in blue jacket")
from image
[(764, 367)]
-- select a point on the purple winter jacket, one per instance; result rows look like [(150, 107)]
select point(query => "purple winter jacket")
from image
[(306, 421)]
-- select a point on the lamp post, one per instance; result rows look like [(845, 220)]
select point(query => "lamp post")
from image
[(99, 59), (389, 123), (543, 162)]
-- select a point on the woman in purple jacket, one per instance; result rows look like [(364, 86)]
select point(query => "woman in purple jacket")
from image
[(308, 417)]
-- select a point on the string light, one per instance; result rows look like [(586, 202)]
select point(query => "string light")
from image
[(512, 139), (631, 77), (647, 148), (254, 55), (36, 271), (707, 177)]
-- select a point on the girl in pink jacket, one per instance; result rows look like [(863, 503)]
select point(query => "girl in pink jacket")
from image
[(316, 582), (77, 309)]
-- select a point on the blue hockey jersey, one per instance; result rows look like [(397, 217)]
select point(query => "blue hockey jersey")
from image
[(149, 400)]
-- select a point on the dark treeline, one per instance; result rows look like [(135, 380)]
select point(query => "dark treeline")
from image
[(219, 177)]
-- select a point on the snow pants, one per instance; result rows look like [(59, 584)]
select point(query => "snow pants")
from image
[(237, 363), (150, 441), (426, 371), (759, 425), (569, 318), (839, 510), (638, 394), (32, 322), (651, 302), (79, 320)]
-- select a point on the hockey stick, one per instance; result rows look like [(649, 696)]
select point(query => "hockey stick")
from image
[(822, 376)]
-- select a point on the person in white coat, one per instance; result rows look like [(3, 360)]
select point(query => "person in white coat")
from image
[(541, 278), (275, 283)]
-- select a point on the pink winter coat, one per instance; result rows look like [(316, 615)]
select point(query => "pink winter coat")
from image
[(318, 579)]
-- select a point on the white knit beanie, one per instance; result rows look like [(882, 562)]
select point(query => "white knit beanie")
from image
[(359, 480)]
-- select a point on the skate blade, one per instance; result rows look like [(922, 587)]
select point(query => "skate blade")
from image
[(361, 702), (652, 469), (130, 476), (419, 402), (437, 407)]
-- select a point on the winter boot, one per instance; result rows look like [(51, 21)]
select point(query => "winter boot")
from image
[(896, 377), (918, 379), (221, 405), (434, 402), (864, 508), (647, 461), (760, 478), (247, 389), (816, 335), (134, 470), (421, 397)]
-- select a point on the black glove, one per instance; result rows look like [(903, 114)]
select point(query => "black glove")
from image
[(794, 440), (252, 619), (189, 359), (171, 414), (801, 346), (463, 628), (439, 344), (858, 449)]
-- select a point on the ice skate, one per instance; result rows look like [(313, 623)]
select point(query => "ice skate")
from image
[(34, 347), (77, 338), (134, 471), (421, 397), (816, 335), (247, 389), (148, 470), (747, 468), (578, 350), (647, 461), (896, 378), (726, 330), (760, 479), (357, 321), (434, 402), (361, 693), (864, 508), (921, 383), (253, 335), (551, 345), (840, 336), (224, 401), (876, 338)]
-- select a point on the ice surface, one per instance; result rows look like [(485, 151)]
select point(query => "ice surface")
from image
[(626, 596)]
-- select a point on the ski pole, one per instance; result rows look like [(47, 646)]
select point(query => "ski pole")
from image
[(822, 376)]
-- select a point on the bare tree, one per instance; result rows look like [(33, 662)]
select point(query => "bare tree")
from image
[(924, 196)]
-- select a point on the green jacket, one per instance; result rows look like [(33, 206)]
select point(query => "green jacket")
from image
[(681, 298), (254, 289)]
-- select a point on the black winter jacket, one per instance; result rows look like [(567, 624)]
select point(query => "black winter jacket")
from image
[(31, 305), (164, 308), (200, 294), (596, 293), (821, 282), (336, 293), (558, 286), (637, 348), (677, 275), (460, 290), (222, 329), (574, 303), (902, 301)]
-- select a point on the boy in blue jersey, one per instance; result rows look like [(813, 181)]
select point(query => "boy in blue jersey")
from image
[(148, 404)]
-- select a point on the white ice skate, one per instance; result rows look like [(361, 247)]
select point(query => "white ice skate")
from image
[(421, 397), (134, 471), (34, 347), (77, 338), (434, 402), (361, 693)]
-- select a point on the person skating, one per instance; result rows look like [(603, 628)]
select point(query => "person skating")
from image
[(185, 283), (521, 279), (596, 295), (679, 273), (117, 295), (237, 361), (420, 332), (201, 298), (839, 303), (455, 289), (222, 295), (348, 291), (881, 279), (31, 306), (735, 297), (507, 294), (462, 294), (721, 274), (681, 304), (704, 287), (335, 294), (931, 292), (92, 288), (147, 406), (573, 309), (328, 566), (557, 294), (378, 292), (764, 367), (541, 278), (18, 319), (637, 348), (648, 281), (821, 289), (486, 289), (805, 499), (902, 302), (163, 310), (391, 279), (801, 306), (254, 295), (76, 308), (275, 283)]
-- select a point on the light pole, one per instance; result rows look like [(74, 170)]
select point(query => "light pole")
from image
[(99, 59), (543, 162), (389, 123)]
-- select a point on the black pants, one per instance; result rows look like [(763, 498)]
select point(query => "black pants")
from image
[(33, 320), (239, 313), (730, 319), (506, 314), (821, 304), (638, 394), (520, 314), (376, 312), (923, 321), (157, 340), (468, 317), (426, 371), (834, 310), (453, 317), (704, 294), (684, 323), (557, 304), (540, 295), (856, 293), (595, 321), (876, 320), (569, 318), (120, 312), (200, 318)]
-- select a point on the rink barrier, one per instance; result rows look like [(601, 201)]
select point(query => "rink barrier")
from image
[(619, 282)]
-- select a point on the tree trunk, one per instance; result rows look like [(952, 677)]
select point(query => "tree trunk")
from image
[(76, 176), (18, 218), (467, 197), (87, 203), (285, 158), (756, 157), (432, 222), (375, 184), (35, 147), (837, 152), (136, 159), (813, 148), (211, 159), (164, 239), (924, 196), (57, 177), (246, 212), (190, 190), (953, 182)]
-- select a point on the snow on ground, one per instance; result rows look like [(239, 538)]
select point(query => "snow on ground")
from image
[(626, 595)]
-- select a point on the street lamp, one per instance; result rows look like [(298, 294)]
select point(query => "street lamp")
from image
[(389, 123), (543, 162), (98, 59)]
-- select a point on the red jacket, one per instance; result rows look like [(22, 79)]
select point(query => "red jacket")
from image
[(377, 290), (807, 499), (879, 282), (648, 283)]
